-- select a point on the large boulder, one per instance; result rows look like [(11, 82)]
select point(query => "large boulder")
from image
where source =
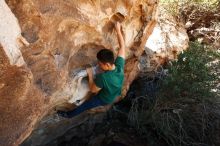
[(59, 37)]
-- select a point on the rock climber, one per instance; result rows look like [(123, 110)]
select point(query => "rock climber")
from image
[(107, 85)]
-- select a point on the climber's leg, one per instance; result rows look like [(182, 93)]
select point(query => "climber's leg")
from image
[(91, 103)]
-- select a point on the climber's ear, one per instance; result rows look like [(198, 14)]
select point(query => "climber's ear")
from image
[(94, 88)]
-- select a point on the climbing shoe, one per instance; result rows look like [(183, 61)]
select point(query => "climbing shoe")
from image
[(62, 114)]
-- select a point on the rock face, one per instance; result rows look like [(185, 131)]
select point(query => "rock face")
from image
[(202, 23), (21, 103), (172, 35), (60, 37), (167, 40), (10, 35)]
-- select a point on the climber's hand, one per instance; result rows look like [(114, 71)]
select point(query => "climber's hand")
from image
[(89, 71)]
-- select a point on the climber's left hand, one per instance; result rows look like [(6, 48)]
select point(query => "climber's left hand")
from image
[(89, 71)]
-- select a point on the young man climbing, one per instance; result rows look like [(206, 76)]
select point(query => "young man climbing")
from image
[(107, 85)]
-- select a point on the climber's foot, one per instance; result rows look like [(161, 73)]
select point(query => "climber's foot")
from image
[(62, 114)]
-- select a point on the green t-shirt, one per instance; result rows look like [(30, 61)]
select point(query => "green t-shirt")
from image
[(111, 82)]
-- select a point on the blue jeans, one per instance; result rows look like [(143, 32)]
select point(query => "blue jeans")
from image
[(89, 104)]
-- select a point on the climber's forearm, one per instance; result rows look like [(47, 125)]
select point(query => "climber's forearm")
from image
[(120, 38), (92, 86), (91, 80), (121, 51)]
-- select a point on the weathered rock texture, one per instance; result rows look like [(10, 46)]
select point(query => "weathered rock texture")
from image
[(10, 35), (21, 103), (202, 23), (64, 35), (168, 39)]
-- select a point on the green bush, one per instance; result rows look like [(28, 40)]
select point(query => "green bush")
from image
[(186, 111), (192, 75)]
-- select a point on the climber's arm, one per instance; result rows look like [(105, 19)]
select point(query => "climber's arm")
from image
[(121, 51), (92, 86)]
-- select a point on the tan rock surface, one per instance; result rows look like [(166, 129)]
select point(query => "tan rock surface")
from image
[(64, 35), (21, 103)]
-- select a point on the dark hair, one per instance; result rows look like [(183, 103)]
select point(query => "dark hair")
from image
[(105, 56)]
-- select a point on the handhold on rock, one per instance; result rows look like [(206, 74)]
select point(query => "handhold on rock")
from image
[(83, 73), (78, 76)]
